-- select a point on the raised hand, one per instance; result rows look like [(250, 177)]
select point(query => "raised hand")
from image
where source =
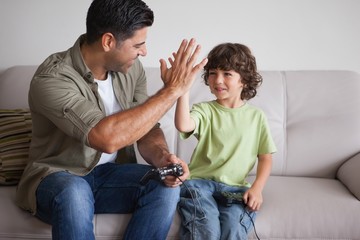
[(182, 71)]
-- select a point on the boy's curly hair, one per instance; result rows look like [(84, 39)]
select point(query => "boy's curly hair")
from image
[(236, 57)]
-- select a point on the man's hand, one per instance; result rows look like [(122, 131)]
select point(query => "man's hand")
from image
[(173, 181), (182, 72)]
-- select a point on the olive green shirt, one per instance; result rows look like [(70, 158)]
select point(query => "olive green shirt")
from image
[(65, 106)]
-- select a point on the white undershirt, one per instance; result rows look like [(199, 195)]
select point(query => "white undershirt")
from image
[(106, 92)]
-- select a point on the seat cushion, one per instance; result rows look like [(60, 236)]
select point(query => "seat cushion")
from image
[(307, 208), (16, 223)]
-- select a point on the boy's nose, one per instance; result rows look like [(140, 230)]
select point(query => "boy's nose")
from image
[(219, 79)]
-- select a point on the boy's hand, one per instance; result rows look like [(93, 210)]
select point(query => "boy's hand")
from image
[(253, 199)]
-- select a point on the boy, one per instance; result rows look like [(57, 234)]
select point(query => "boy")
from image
[(231, 135)]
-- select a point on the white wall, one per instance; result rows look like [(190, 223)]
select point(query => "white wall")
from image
[(283, 34)]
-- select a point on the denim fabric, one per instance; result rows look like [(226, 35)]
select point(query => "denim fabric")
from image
[(212, 221), (68, 202)]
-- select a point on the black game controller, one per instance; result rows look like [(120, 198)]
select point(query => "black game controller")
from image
[(160, 173), (228, 198)]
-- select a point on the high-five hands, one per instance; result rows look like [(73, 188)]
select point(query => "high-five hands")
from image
[(182, 72)]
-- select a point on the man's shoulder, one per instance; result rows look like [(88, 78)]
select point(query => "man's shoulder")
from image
[(54, 64)]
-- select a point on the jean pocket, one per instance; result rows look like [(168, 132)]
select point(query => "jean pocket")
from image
[(190, 207)]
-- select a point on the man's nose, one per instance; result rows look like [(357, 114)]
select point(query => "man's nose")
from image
[(142, 51)]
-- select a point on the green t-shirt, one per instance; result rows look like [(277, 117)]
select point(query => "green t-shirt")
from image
[(229, 141)]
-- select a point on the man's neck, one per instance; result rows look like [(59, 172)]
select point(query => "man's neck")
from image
[(93, 59)]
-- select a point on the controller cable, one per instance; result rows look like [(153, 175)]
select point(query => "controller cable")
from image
[(194, 216)]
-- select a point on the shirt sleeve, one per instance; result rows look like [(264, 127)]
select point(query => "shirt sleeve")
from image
[(68, 103), (266, 144), (197, 113)]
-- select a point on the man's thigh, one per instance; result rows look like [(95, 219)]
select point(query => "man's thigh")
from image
[(117, 187)]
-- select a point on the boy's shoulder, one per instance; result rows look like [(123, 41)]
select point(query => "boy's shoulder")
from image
[(204, 105), (212, 104), (254, 108)]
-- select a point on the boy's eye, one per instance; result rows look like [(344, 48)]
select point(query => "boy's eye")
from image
[(212, 72)]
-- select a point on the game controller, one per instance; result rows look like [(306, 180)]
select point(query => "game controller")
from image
[(228, 198), (160, 173)]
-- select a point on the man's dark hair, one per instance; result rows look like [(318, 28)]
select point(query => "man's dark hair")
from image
[(118, 17)]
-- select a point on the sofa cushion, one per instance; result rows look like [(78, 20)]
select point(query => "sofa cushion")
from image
[(349, 175), (15, 136), (322, 121), (19, 224), (307, 208), (15, 80)]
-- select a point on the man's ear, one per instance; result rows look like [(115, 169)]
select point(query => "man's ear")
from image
[(108, 41)]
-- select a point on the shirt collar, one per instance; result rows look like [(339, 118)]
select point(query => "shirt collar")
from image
[(78, 61)]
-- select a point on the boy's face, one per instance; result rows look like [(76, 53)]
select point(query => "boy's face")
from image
[(226, 86)]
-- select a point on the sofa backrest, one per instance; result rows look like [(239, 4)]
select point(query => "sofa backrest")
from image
[(314, 116), (14, 86)]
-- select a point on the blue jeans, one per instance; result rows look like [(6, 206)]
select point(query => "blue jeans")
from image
[(212, 221), (69, 202)]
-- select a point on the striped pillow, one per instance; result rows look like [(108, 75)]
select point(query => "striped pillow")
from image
[(15, 137)]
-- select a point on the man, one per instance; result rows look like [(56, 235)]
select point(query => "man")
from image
[(89, 106)]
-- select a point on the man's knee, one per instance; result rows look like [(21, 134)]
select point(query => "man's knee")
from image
[(64, 188), (76, 192)]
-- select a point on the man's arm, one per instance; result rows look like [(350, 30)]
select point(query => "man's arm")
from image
[(128, 126), (153, 148)]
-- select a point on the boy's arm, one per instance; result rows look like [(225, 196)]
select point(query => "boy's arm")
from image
[(183, 121), (253, 197)]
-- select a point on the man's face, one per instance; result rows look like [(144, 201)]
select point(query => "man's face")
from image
[(123, 56)]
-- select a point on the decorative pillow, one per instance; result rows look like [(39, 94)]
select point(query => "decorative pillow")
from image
[(15, 137)]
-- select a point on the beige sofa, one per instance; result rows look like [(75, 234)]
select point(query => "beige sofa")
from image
[(314, 189)]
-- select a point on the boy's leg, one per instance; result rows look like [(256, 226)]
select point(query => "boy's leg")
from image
[(205, 224), (236, 220)]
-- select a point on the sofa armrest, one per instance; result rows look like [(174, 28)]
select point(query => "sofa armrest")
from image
[(348, 174)]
